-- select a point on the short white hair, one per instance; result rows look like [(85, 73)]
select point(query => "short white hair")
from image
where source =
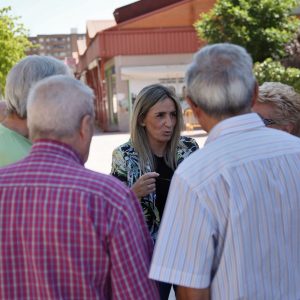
[(24, 75), (56, 106), (220, 80)]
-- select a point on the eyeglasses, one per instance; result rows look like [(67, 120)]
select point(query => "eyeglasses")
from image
[(267, 122)]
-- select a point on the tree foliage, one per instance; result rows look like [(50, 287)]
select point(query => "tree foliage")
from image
[(263, 27), (293, 53), (13, 43), (270, 70)]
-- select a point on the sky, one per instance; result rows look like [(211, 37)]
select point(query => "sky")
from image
[(59, 16)]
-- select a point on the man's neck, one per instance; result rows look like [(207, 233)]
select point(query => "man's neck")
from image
[(15, 123), (210, 122)]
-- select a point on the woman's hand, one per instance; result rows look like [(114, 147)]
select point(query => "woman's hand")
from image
[(145, 184)]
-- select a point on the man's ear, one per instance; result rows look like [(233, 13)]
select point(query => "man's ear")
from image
[(255, 94), (86, 127), (190, 102)]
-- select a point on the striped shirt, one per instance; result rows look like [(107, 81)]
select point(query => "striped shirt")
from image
[(232, 217), (70, 233)]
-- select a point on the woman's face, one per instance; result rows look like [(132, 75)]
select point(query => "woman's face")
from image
[(160, 121)]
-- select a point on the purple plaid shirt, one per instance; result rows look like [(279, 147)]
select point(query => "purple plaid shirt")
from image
[(70, 233)]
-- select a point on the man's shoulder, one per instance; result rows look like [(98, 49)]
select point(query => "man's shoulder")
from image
[(100, 183), (276, 141), (255, 141), (68, 176), (235, 150), (107, 189)]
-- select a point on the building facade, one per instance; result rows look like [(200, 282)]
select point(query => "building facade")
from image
[(60, 46), (152, 42)]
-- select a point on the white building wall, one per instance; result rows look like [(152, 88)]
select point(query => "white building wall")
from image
[(166, 69)]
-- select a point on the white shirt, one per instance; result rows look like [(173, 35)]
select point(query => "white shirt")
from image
[(232, 218)]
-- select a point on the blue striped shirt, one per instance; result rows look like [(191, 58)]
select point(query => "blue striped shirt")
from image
[(232, 218)]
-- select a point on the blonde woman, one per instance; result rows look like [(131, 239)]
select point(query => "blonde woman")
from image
[(146, 163)]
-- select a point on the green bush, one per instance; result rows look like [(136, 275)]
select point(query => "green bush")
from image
[(263, 27), (270, 70)]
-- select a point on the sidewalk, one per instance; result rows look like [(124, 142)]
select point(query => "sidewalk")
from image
[(104, 143)]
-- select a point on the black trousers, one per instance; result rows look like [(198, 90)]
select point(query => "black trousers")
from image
[(164, 290)]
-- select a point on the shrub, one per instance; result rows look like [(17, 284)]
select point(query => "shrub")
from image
[(270, 70)]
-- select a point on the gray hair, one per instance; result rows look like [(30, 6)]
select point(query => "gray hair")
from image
[(220, 80), (56, 106), (147, 98), (24, 75), (286, 103), (2, 110)]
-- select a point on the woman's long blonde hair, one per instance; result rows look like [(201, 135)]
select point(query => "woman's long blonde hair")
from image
[(147, 98)]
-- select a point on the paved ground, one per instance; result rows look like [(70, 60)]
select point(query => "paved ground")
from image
[(104, 143)]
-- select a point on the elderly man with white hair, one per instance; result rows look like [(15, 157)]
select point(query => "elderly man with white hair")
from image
[(14, 142), (68, 232), (230, 229)]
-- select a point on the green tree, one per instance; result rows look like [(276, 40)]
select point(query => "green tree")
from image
[(263, 27), (270, 70), (13, 43)]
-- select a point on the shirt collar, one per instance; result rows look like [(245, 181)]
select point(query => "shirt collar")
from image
[(52, 147), (235, 124)]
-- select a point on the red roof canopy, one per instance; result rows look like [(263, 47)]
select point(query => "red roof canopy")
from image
[(139, 8)]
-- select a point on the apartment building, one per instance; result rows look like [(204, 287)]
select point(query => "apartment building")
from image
[(60, 46)]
